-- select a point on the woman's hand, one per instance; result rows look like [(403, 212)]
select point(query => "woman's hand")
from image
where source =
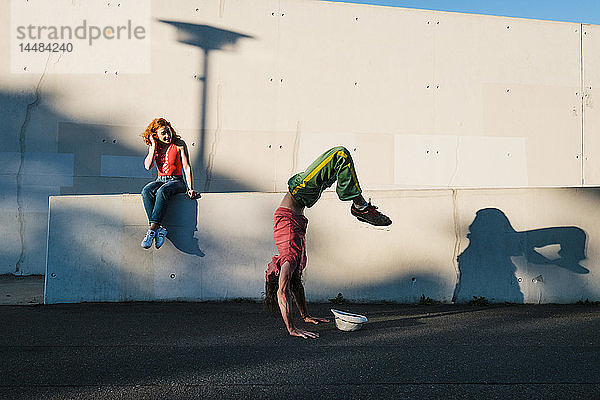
[(192, 194), (149, 160)]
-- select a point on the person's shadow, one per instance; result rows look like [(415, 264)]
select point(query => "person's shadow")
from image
[(485, 266), (181, 221)]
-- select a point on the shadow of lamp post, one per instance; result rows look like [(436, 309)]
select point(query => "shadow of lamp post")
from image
[(208, 38)]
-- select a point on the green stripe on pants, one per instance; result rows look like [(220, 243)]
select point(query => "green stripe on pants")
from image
[(334, 165)]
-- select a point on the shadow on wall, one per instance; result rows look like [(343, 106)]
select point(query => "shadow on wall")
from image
[(118, 269), (208, 38), (49, 153), (486, 268), (35, 168), (405, 288), (183, 213)]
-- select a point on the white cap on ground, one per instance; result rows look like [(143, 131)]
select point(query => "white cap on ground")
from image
[(346, 321)]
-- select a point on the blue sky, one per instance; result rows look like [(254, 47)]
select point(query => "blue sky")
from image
[(585, 11)]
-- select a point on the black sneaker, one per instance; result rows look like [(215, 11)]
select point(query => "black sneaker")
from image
[(370, 215)]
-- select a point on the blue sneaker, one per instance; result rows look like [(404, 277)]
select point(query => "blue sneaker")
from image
[(147, 242), (161, 234)]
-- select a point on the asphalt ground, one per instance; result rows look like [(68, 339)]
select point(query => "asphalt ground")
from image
[(236, 350)]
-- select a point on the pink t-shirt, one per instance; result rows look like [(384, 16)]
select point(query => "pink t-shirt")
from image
[(289, 231)]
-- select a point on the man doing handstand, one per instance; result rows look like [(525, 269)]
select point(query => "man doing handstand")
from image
[(284, 272)]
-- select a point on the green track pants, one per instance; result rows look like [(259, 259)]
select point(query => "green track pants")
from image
[(334, 165)]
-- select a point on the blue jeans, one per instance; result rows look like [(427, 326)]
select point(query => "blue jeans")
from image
[(156, 195)]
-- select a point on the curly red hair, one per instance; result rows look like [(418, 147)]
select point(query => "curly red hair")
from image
[(154, 126)]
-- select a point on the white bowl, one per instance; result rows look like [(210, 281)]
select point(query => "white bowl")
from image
[(348, 322)]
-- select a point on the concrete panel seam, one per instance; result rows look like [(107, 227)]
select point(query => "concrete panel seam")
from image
[(21, 218), (457, 241), (47, 249), (213, 151), (296, 147), (581, 83), (221, 8), (456, 162)]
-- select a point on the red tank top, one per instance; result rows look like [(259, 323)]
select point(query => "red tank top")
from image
[(168, 162)]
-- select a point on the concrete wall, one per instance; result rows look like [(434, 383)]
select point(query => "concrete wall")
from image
[(257, 89), (517, 245)]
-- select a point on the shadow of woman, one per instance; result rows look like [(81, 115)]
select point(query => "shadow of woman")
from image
[(486, 268), (181, 221)]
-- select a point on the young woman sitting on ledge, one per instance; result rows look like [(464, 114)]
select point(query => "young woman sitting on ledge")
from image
[(172, 161)]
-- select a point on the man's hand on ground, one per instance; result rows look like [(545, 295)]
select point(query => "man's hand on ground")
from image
[(315, 320), (304, 334)]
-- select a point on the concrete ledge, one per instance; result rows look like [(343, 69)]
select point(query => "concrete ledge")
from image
[(21, 290), (524, 246)]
